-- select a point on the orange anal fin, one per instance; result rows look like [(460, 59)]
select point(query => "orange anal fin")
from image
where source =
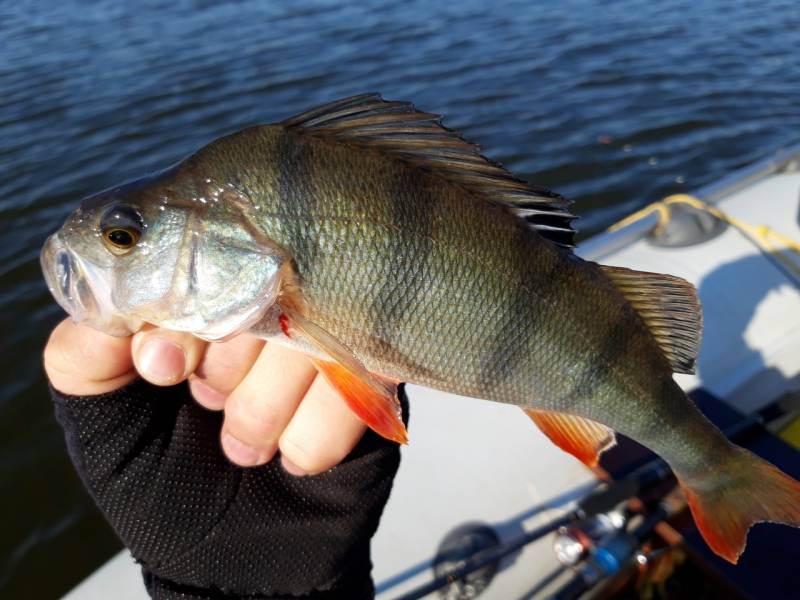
[(583, 438), (374, 402), (746, 491)]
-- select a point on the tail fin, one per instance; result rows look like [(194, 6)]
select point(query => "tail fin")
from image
[(749, 490)]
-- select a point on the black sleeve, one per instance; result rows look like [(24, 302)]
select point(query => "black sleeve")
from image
[(204, 528)]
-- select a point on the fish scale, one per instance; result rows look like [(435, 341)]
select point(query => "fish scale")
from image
[(336, 285)]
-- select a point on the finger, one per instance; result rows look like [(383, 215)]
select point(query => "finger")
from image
[(82, 361), (223, 367), (258, 410), (321, 433), (165, 357)]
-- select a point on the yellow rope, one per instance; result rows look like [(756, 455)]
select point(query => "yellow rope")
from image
[(761, 235)]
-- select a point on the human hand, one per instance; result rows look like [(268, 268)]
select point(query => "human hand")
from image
[(199, 525), (272, 397)]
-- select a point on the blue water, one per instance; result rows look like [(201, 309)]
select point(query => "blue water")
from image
[(613, 104)]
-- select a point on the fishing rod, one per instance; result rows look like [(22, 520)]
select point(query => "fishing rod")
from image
[(600, 500), (612, 552), (486, 557), (604, 498)]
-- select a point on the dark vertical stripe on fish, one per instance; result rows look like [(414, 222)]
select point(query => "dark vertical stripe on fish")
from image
[(508, 347), (408, 214), (296, 171), (615, 343), (512, 362), (668, 419)]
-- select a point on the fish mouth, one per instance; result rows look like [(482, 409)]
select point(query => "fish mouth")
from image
[(62, 274), (82, 289)]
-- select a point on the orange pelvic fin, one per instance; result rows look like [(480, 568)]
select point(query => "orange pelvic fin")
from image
[(747, 491), (373, 399), (583, 438)]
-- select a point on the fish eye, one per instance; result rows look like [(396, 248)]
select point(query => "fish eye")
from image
[(121, 227), (121, 238)]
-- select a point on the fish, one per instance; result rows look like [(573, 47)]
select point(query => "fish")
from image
[(389, 249)]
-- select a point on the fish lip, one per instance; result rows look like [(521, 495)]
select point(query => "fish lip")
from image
[(73, 282), (60, 272)]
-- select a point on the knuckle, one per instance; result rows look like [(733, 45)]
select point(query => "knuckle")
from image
[(76, 362), (207, 395), (256, 417), (218, 374), (311, 457), (59, 357)]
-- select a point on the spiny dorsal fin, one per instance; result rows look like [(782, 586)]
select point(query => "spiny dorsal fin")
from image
[(671, 309), (397, 128), (583, 438)]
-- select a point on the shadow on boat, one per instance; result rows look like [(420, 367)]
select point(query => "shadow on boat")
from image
[(506, 530), (731, 295)]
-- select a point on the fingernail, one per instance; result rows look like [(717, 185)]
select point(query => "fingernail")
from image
[(162, 361), (239, 452), (206, 395), (292, 468)]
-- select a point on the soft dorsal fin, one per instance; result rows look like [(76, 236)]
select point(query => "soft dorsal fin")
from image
[(670, 307), (586, 440), (397, 128)]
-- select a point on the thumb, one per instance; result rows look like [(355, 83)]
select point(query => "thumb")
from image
[(81, 361)]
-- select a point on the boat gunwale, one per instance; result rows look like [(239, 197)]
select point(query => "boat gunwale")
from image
[(783, 160)]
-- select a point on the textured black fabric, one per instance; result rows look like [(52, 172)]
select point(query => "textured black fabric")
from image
[(204, 528)]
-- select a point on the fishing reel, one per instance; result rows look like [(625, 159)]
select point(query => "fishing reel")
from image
[(573, 543)]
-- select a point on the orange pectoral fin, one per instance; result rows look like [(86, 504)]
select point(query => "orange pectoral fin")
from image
[(583, 438), (375, 402)]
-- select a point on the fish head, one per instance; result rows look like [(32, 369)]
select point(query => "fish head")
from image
[(175, 250)]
